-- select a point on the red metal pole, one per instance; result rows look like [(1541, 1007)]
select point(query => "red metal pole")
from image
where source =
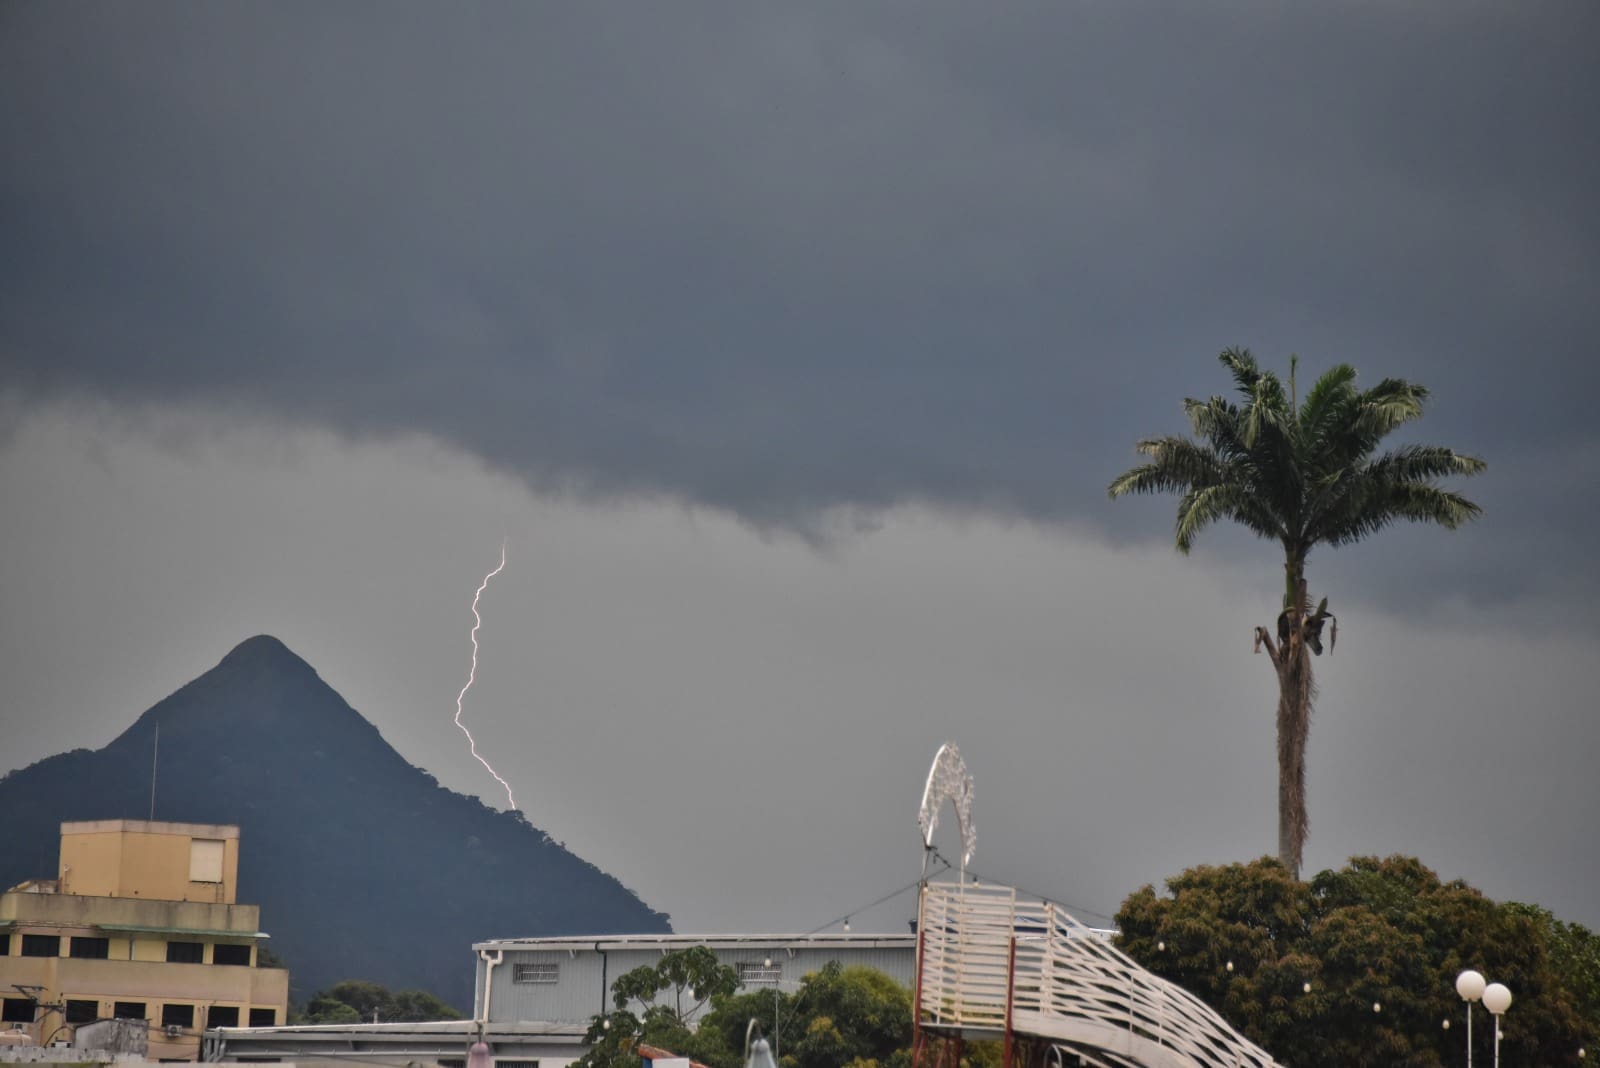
[(918, 1041), (1011, 997)]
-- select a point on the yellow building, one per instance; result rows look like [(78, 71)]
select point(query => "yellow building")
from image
[(140, 923)]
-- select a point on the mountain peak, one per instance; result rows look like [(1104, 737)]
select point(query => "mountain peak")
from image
[(263, 648)]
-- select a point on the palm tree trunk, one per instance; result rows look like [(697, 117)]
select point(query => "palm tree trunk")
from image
[(1295, 693)]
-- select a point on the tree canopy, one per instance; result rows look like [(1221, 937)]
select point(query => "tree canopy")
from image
[(1379, 943), (362, 1001), (838, 1017)]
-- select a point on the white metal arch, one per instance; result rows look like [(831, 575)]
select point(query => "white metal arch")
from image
[(948, 780)]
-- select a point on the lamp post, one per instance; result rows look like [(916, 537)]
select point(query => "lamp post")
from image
[(777, 985), (1470, 985), (767, 963), (1497, 999)]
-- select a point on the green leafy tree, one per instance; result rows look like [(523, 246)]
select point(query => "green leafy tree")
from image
[(1575, 955), (654, 1004), (854, 1016), (840, 1016), (361, 1000), (1357, 967), (1304, 475)]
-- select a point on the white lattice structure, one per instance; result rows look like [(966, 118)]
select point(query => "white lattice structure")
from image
[(990, 966)]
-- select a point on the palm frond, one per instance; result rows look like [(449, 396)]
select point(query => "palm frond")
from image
[(1218, 422), (1411, 502), (1203, 506), (1242, 366), (1432, 504), (1336, 386), (1386, 406), (1176, 465), (1421, 463), (1268, 408)]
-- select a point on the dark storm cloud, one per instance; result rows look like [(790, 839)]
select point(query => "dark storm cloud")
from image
[(777, 259)]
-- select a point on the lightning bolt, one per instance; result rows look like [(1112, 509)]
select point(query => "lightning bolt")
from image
[(472, 676)]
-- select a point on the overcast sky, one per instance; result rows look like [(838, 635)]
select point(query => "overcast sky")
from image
[(791, 347)]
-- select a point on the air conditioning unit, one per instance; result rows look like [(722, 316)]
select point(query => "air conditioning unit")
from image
[(173, 1030)]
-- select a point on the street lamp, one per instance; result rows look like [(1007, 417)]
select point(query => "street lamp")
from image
[(756, 1052), (1497, 999), (1469, 984)]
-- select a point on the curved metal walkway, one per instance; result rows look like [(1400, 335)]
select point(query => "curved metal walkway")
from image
[(989, 966)]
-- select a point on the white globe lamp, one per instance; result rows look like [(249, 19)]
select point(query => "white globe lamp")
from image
[(1496, 998)]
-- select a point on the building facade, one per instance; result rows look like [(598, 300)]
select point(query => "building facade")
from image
[(142, 923), (568, 980)]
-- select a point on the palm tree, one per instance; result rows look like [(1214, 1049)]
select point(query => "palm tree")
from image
[(1303, 475)]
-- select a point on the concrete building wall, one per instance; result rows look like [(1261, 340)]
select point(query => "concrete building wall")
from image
[(137, 858), (73, 910), (125, 951), (156, 986)]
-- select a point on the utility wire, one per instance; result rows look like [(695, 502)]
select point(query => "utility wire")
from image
[(877, 901), (1042, 897)]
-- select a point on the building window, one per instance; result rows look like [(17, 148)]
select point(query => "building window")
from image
[(228, 953), (759, 973), (205, 860), (41, 945), (536, 972), (186, 952), (5, 943), (18, 1010), (177, 1016), (222, 1016), (263, 1017), (507, 1063), (82, 1010), (452, 1062), (128, 1010), (90, 948)]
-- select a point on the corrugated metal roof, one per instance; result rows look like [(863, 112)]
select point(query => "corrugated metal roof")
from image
[(401, 1031), (832, 940)]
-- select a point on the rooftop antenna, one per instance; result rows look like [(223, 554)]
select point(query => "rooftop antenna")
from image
[(155, 755)]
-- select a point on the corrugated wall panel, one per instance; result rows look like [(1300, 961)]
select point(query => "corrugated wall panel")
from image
[(574, 997)]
